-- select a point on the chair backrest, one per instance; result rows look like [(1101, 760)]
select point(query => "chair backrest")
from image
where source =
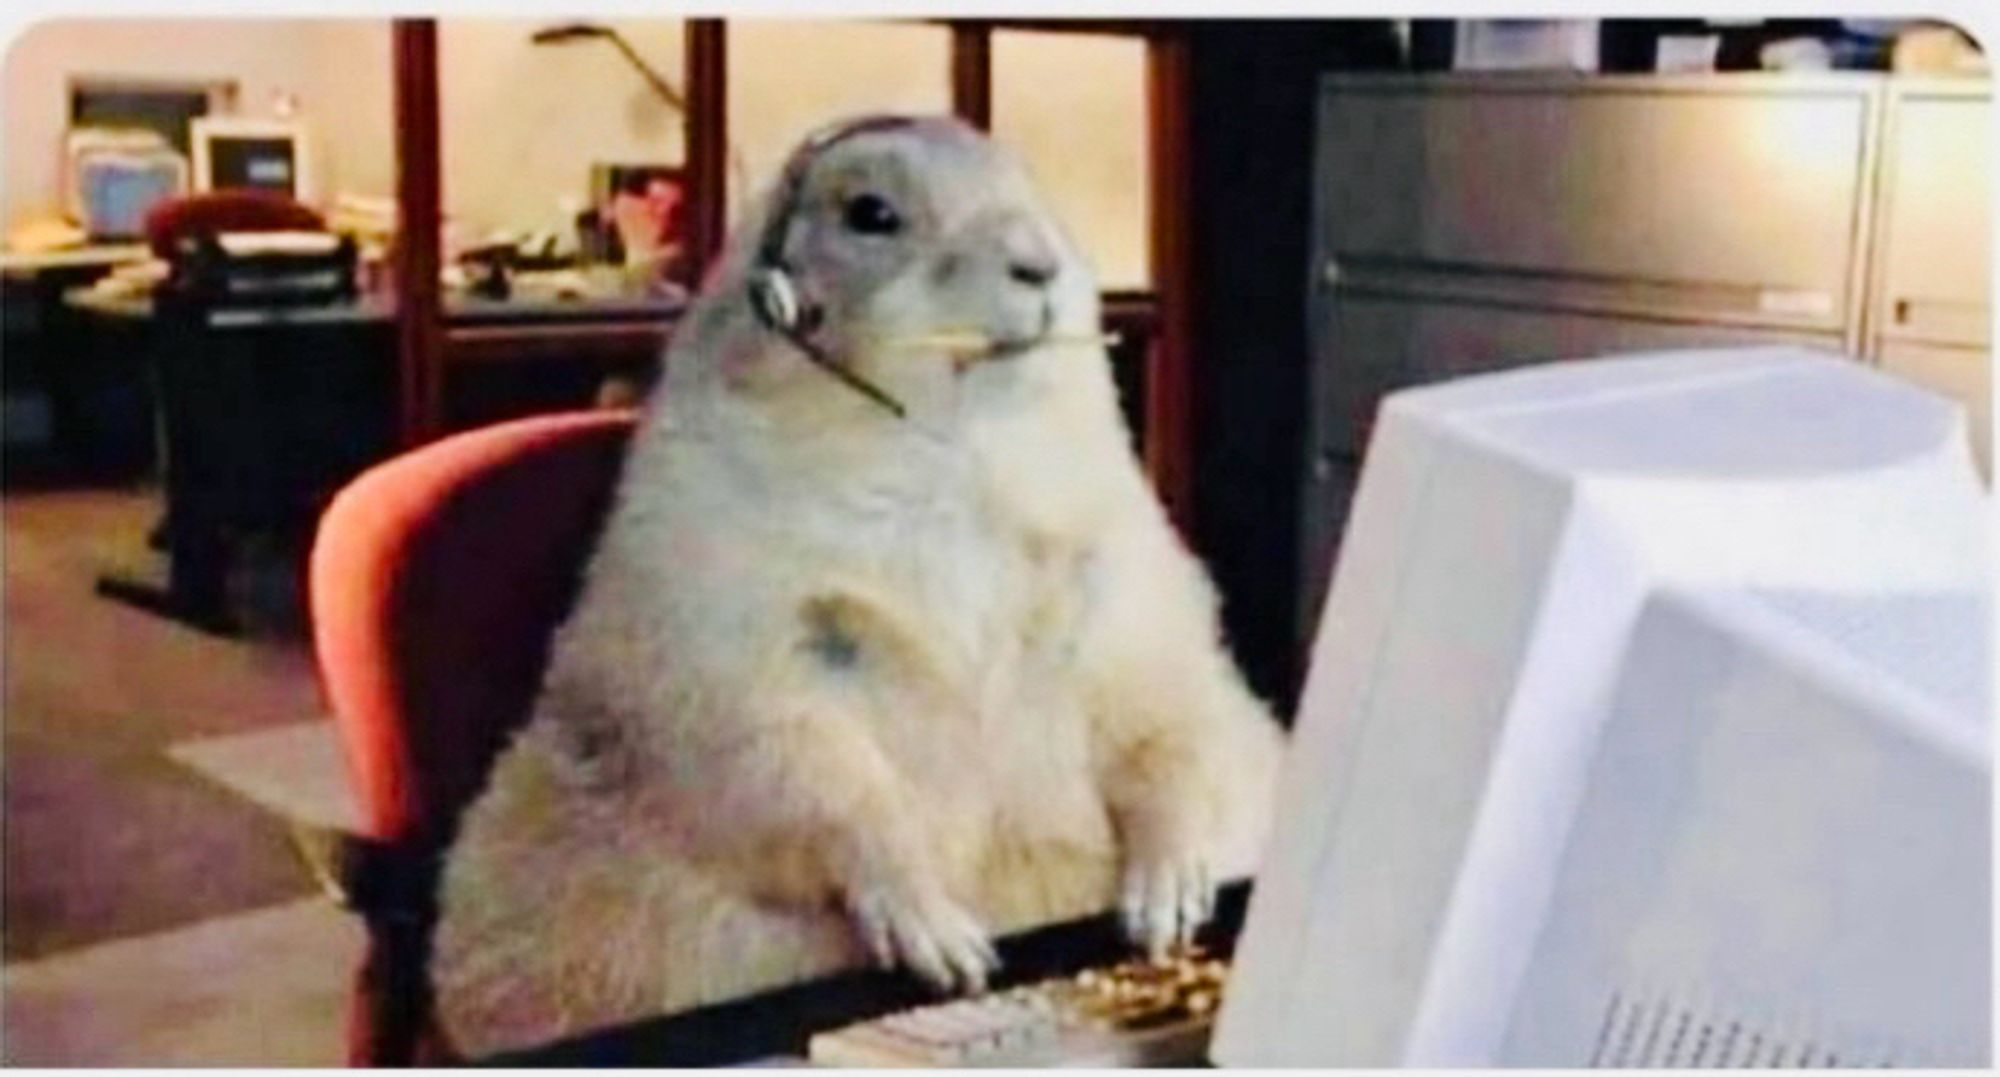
[(436, 581), (225, 211)]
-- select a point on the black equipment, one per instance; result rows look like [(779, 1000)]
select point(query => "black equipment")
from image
[(263, 269)]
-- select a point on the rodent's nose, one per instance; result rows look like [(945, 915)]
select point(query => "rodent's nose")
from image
[(1030, 258), (1034, 271)]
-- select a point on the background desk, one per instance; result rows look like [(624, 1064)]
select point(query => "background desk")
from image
[(100, 258), (72, 408), (504, 358), (266, 412)]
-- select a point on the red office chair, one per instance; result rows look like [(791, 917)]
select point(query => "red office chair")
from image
[(225, 211), (436, 580)]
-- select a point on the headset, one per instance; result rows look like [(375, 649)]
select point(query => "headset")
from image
[(775, 296)]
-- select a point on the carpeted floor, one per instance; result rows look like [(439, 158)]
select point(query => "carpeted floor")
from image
[(106, 836), (261, 988)]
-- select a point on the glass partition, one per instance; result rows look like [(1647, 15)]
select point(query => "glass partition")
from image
[(544, 120), (1074, 105), (789, 76)]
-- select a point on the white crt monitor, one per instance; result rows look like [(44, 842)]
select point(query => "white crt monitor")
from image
[(237, 153), (1648, 724)]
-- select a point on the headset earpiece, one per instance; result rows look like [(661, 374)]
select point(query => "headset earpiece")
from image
[(774, 296), (776, 300)]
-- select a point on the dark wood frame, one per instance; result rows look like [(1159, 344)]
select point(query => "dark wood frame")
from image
[(419, 197), (1168, 437), (707, 140), (1169, 433), (972, 73)]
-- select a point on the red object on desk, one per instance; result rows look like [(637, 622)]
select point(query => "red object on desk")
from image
[(225, 211), (436, 581)]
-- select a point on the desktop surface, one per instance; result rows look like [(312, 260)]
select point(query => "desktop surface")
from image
[(99, 255), (458, 310)]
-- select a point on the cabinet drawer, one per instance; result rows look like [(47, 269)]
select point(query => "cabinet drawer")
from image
[(1743, 183), (1935, 234)]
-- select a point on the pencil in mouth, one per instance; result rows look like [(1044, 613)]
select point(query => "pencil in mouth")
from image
[(986, 346)]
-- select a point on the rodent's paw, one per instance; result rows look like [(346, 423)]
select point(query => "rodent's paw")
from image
[(928, 932), (1165, 899)]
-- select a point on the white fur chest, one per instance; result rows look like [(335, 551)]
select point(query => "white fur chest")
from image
[(938, 542), (967, 575)]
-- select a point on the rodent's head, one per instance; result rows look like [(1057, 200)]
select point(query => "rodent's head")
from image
[(909, 243)]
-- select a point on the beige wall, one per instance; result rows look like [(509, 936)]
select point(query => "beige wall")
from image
[(523, 123), (356, 116), (789, 76), (1074, 106)]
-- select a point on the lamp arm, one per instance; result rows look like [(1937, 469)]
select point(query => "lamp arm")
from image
[(652, 77)]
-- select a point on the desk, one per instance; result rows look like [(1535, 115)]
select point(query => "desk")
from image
[(264, 413), (507, 358), (75, 406), (503, 358), (106, 256), (466, 312), (778, 1024), (267, 411)]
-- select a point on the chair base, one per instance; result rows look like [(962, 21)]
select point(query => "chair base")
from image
[(209, 614)]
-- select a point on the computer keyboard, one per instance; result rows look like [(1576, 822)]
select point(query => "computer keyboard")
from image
[(1136, 1013), (783, 1023)]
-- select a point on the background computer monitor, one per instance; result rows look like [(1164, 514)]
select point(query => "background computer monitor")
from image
[(267, 155), (115, 176)]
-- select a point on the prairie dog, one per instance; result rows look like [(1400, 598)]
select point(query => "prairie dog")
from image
[(843, 685)]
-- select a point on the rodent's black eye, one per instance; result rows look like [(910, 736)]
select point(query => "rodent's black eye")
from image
[(871, 215)]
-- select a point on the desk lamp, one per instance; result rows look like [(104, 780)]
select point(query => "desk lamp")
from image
[(586, 31), (595, 225)]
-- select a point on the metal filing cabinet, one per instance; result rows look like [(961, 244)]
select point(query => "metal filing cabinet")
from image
[(1467, 223), (1930, 313)]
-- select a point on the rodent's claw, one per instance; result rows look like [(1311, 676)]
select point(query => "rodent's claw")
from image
[(1163, 902), (935, 937)]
